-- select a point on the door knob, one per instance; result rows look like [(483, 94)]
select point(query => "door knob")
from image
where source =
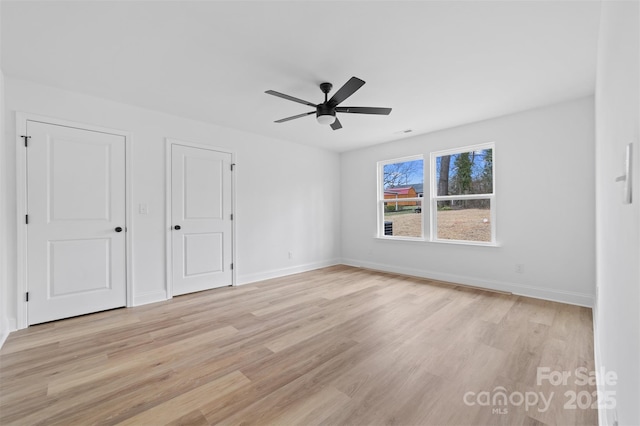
[(177, 227), (118, 229)]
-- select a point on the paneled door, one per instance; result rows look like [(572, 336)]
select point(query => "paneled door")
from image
[(201, 219), (76, 245)]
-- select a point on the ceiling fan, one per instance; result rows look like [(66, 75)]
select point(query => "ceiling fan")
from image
[(326, 111)]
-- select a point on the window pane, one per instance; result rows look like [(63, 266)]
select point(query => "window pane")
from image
[(465, 220), (404, 220), (465, 173), (401, 181)]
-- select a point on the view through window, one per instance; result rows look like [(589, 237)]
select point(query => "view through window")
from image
[(400, 198), (463, 188)]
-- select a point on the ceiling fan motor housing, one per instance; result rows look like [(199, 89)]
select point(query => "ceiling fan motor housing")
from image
[(324, 109)]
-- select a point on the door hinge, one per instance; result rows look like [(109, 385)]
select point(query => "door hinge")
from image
[(231, 216), (232, 266), (26, 296), (26, 140), (26, 219), (232, 166)]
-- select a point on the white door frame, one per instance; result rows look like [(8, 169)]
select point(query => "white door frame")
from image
[(169, 142), (21, 204)]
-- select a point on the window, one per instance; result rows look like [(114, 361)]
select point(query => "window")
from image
[(462, 195), (400, 191)]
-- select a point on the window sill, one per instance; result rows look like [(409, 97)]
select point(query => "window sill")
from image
[(448, 242), (466, 243), (410, 239)]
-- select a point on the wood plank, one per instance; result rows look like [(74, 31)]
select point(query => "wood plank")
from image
[(189, 401)]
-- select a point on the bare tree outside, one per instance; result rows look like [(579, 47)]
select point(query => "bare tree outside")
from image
[(443, 176), (399, 174)]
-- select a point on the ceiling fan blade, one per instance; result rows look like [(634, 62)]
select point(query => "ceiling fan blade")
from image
[(364, 110), (336, 124), (345, 91), (282, 120), (291, 98)]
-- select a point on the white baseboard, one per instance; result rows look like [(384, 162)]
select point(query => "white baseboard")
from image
[(3, 337), (275, 273), (6, 328), (572, 298), (601, 386), (149, 297)]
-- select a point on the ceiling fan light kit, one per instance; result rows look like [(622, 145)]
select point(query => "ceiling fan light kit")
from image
[(326, 111), (326, 119)]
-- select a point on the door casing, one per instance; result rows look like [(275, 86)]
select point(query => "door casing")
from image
[(169, 142), (21, 206)]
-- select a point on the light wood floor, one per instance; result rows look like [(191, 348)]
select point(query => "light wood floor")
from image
[(334, 346)]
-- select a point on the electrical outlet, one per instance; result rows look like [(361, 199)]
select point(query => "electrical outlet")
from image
[(519, 268), (290, 254), (143, 208)]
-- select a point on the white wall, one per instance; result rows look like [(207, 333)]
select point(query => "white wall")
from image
[(3, 270), (617, 313), (287, 194), (5, 327), (545, 206)]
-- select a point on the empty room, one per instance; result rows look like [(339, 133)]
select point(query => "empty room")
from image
[(320, 212)]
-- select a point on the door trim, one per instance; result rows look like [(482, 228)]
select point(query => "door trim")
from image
[(21, 200), (169, 142)]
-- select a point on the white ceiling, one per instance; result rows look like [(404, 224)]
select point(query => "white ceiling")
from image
[(437, 64)]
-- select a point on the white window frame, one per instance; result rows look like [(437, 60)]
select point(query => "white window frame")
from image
[(434, 197), (381, 200)]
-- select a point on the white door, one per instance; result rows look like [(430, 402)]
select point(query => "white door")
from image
[(201, 219), (76, 222)]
